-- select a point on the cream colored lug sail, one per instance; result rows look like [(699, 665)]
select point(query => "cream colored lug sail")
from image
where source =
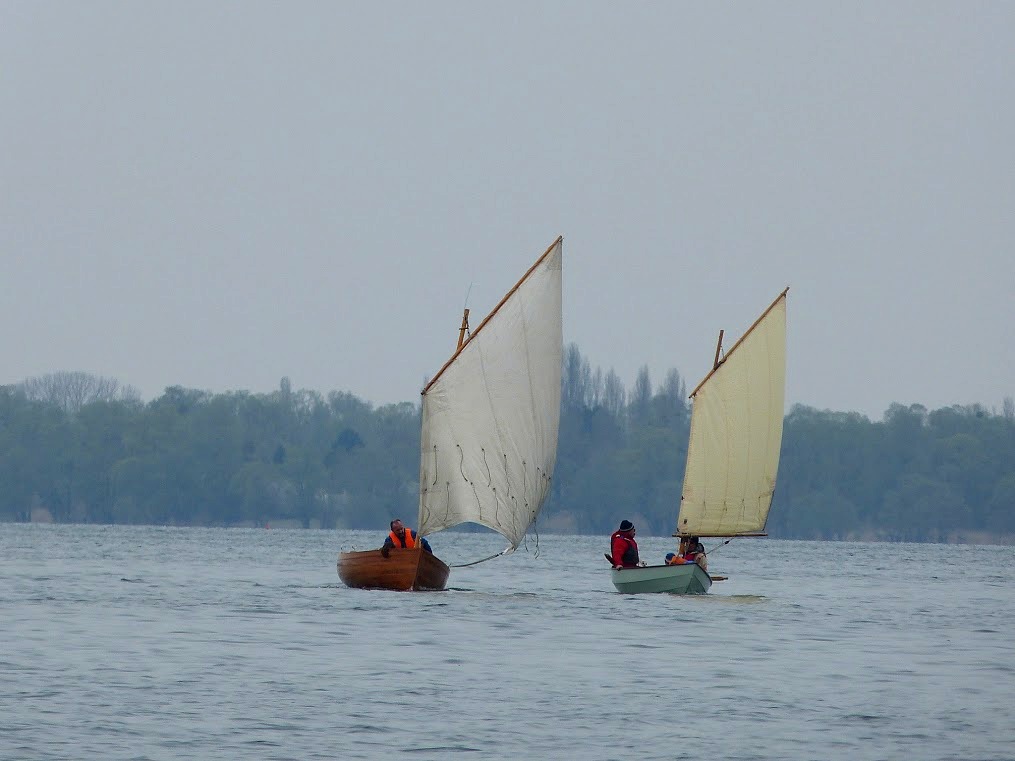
[(490, 417), (736, 434)]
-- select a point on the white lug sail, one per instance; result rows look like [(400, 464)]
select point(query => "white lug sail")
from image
[(736, 434), (491, 415)]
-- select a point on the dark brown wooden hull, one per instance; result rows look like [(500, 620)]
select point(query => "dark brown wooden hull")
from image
[(401, 570)]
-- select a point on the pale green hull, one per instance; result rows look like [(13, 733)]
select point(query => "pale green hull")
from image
[(686, 579)]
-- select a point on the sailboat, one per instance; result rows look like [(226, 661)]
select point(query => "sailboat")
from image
[(732, 453), (488, 442)]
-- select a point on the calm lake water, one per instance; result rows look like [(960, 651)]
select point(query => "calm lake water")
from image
[(164, 643)]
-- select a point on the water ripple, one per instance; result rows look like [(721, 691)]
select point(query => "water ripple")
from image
[(221, 644)]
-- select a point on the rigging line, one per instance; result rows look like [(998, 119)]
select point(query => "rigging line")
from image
[(489, 475), (720, 545), (535, 529), (447, 502), (479, 505), (505, 551)]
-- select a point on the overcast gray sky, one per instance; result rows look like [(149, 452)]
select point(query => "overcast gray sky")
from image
[(219, 194)]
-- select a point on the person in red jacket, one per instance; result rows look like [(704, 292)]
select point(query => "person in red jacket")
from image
[(693, 551), (623, 548)]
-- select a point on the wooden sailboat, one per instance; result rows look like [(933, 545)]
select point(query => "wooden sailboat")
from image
[(398, 569), (733, 451), (488, 442)]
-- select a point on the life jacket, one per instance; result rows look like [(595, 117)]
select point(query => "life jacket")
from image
[(409, 541), (629, 557)]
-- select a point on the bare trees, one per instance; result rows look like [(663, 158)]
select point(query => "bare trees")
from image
[(73, 390)]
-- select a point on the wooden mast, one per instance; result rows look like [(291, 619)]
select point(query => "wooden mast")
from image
[(718, 348), (465, 327), (489, 317), (737, 344)]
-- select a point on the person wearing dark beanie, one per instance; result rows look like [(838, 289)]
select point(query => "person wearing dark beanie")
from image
[(623, 547)]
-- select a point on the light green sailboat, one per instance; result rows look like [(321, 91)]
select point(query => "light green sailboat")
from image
[(686, 579), (732, 454)]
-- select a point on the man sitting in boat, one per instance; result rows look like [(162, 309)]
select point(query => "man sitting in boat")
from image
[(403, 537), (693, 551), (624, 550)]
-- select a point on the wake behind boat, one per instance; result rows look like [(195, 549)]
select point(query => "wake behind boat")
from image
[(489, 431)]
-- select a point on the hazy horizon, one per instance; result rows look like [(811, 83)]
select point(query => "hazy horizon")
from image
[(217, 196)]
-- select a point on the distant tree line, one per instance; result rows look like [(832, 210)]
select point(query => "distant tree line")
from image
[(74, 448)]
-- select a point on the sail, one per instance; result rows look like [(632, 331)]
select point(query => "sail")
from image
[(490, 416), (736, 434)]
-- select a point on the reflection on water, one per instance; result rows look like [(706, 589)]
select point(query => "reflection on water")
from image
[(134, 643)]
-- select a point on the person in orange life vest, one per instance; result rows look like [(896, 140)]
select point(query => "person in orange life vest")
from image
[(673, 558), (623, 548), (401, 536)]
